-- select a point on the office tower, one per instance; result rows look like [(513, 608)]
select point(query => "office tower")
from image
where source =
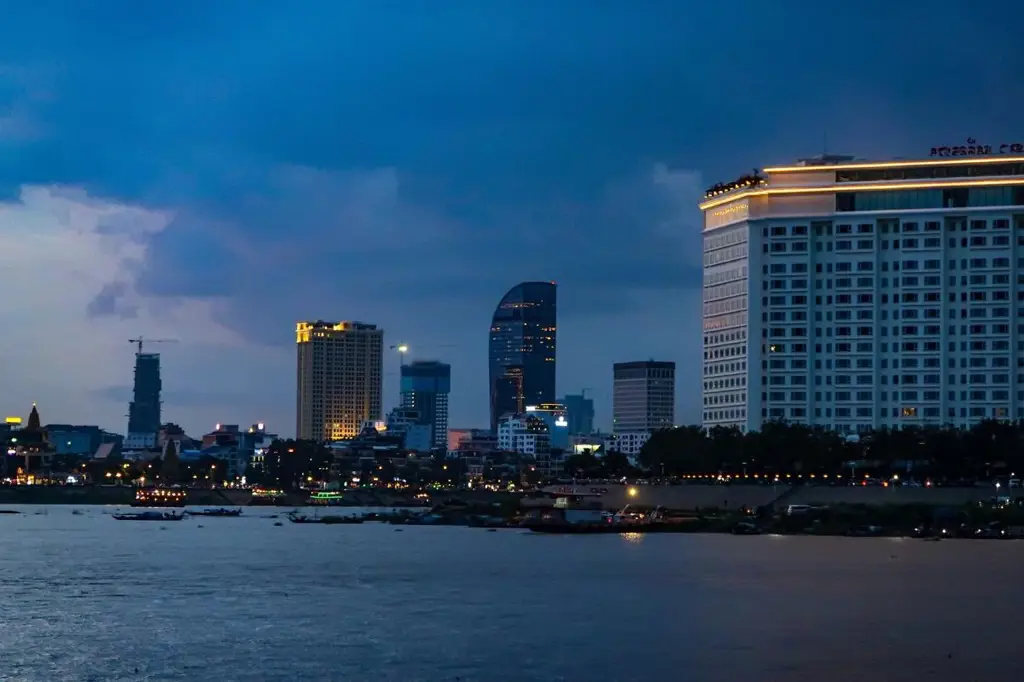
[(144, 409), (522, 349), (339, 378), (580, 415), (425, 388), (643, 396), (854, 295)]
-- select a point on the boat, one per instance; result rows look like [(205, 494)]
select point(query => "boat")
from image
[(150, 516), (159, 497), (325, 498), (302, 518), (267, 497), (574, 515), (217, 512)]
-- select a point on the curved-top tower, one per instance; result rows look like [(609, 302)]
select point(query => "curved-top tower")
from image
[(522, 349)]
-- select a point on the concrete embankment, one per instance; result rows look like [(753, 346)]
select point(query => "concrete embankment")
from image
[(686, 497), (878, 496), (614, 496)]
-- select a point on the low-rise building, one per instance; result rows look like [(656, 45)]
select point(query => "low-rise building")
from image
[(629, 443), (406, 423)]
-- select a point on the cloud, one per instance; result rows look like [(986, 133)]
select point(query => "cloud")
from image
[(68, 261), (306, 242), (296, 243)]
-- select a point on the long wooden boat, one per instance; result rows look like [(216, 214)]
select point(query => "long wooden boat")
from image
[(327, 520), (150, 516), (217, 512)]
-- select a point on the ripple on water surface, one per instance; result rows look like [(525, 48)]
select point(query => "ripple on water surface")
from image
[(89, 598)]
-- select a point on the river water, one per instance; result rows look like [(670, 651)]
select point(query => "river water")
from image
[(85, 597)]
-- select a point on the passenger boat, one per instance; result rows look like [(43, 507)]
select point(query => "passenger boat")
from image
[(266, 497), (150, 516), (325, 498), (159, 497), (217, 512)]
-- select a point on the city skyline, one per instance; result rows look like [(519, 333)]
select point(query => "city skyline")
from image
[(152, 185)]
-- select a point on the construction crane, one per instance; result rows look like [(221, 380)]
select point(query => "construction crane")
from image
[(139, 341)]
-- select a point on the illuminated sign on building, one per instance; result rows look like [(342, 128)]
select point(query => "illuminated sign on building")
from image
[(972, 148), (727, 214)]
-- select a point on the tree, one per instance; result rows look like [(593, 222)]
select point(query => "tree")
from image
[(584, 465), (677, 451), (290, 463), (169, 469), (616, 464)]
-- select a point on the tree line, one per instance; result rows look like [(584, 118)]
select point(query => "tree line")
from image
[(988, 449)]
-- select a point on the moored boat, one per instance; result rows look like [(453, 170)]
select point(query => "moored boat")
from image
[(159, 497), (150, 516), (217, 512), (267, 497), (328, 520), (325, 498)]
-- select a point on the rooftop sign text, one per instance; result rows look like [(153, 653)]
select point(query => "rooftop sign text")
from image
[(972, 148)]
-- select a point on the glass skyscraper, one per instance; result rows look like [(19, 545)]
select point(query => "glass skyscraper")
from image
[(522, 349), (425, 388)]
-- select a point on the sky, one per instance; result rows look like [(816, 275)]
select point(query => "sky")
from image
[(212, 172)]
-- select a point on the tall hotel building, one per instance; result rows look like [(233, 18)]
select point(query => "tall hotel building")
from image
[(855, 295), (339, 378)]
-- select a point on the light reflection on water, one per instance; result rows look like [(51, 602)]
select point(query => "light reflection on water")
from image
[(88, 598)]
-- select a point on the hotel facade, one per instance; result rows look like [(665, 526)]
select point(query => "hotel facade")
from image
[(854, 295)]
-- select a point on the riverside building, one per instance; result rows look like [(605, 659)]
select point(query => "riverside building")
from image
[(856, 294)]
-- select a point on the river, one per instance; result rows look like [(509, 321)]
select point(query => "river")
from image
[(88, 598)]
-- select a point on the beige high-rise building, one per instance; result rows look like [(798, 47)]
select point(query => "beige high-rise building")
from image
[(339, 378)]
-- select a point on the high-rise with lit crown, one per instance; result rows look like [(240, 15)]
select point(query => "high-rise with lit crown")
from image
[(522, 349), (855, 295), (339, 378)]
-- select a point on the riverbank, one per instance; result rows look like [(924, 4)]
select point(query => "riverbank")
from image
[(612, 497)]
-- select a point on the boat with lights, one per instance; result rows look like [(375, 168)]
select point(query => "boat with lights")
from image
[(325, 498), (267, 497), (159, 497)]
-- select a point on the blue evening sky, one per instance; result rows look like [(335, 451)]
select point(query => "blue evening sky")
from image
[(213, 170)]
